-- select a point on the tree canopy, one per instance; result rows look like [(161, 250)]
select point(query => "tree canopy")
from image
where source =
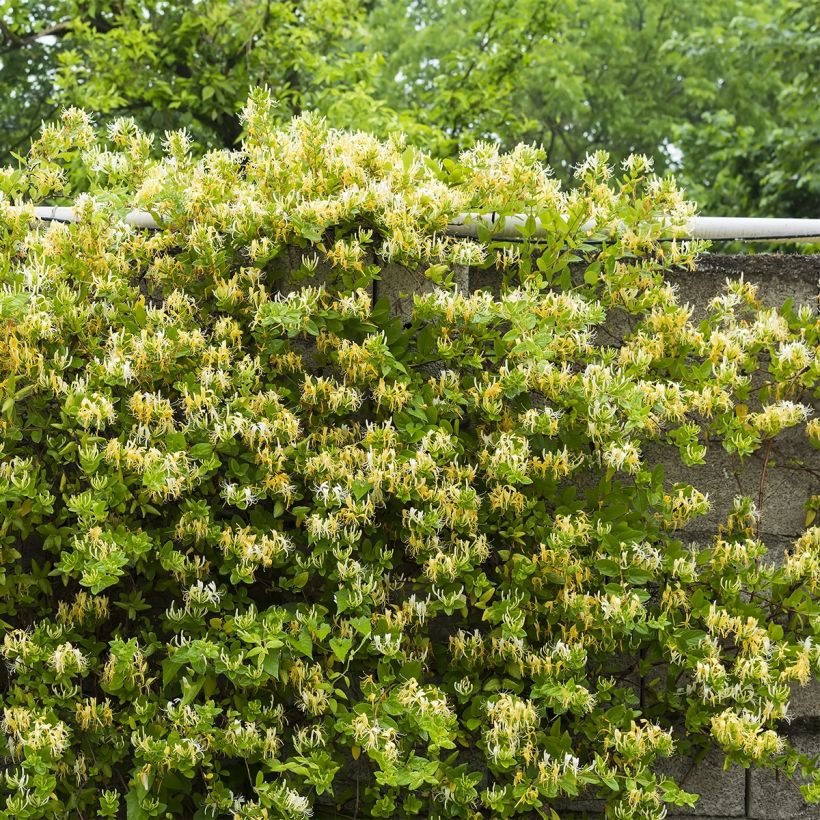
[(722, 92)]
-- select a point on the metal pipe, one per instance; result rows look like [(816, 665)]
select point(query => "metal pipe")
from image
[(716, 228), (755, 229), (59, 213)]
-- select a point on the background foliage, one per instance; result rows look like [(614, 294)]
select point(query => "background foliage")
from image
[(269, 548), (722, 91)]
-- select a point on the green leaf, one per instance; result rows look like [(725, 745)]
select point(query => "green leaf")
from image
[(607, 566), (340, 647)]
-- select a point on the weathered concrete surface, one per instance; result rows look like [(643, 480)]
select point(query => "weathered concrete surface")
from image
[(722, 792), (788, 484), (789, 478), (778, 276), (398, 285), (773, 796), (805, 702)]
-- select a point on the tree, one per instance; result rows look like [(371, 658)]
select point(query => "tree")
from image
[(462, 70), (178, 64), (720, 91), (756, 147)]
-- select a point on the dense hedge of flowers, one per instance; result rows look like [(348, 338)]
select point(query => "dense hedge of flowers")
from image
[(270, 550)]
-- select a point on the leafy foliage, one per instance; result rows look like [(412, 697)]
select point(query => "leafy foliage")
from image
[(175, 65), (720, 91), (758, 150), (270, 548)]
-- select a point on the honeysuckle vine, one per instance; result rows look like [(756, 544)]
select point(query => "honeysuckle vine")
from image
[(271, 547)]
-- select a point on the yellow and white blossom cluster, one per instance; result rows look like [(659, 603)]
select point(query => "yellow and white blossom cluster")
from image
[(272, 526)]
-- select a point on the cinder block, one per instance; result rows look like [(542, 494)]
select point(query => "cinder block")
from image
[(399, 284), (722, 792), (805, 701), (485, 279), (778, 277), (288, 265), (773, 796), (723, 477), (581, 808)]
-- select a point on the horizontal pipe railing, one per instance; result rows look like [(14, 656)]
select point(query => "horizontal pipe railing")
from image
[(715, 228)]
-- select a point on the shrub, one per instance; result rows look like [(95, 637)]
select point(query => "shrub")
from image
[(269, 547)]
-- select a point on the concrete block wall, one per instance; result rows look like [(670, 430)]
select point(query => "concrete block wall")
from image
[(761, 794), (732, 793)]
